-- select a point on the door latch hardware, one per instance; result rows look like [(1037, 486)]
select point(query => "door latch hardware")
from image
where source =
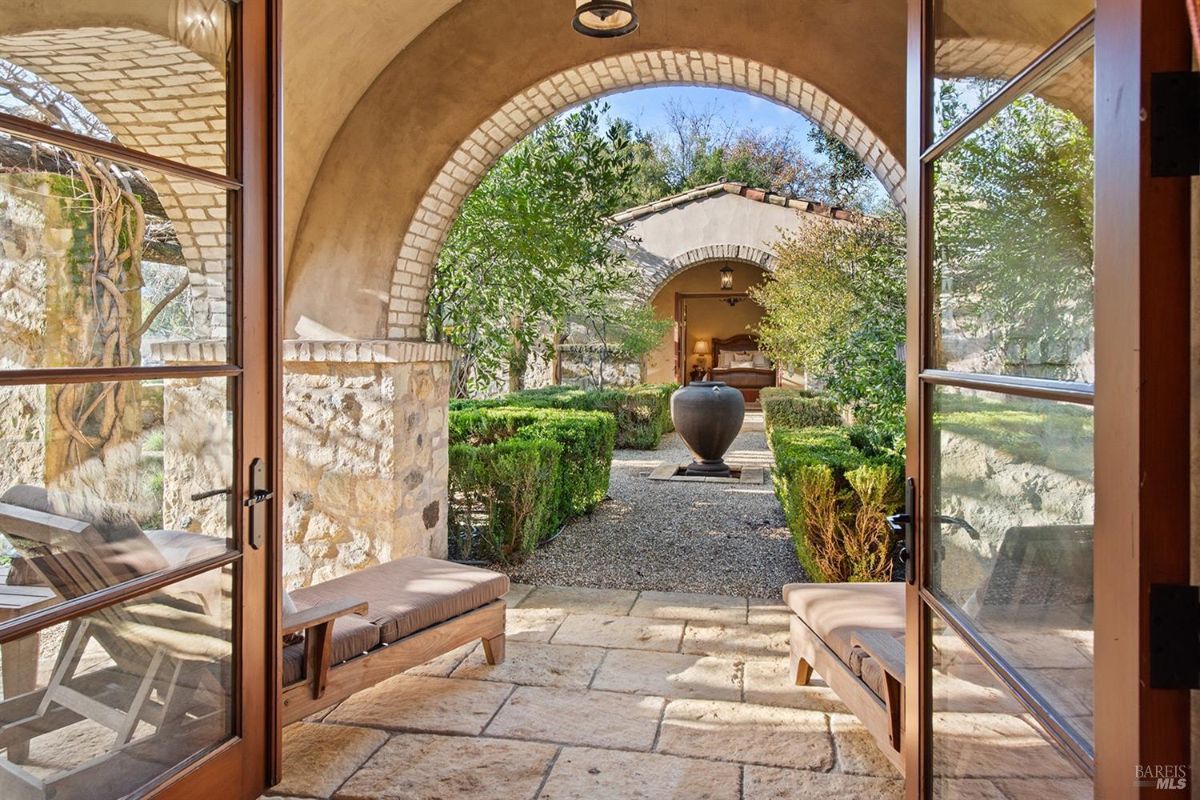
[(1174, 636), (902, 527), (256, 502)]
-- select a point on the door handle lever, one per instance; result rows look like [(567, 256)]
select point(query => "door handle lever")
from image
[(256, 497)]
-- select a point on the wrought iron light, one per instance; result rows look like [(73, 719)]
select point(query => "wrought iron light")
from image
[(726, 278), (605, 19)]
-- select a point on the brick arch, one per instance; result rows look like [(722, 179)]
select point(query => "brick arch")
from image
[(435, 214), (156, 95), (743, 253), (1072, 88)]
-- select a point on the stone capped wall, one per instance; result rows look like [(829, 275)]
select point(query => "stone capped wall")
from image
[(366, 462)]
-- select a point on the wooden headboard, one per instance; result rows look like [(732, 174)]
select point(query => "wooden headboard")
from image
[(741, 343)]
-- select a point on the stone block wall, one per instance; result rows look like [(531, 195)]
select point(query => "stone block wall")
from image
[(366, 464), (197, 440)]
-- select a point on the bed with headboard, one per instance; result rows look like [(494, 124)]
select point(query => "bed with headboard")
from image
[(739, 362)]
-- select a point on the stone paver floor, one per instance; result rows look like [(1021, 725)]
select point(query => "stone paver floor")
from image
[(605, 695), (612, 694)]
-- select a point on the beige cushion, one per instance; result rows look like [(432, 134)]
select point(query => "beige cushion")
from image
[(835, 611), (409, 594), (352, 635)]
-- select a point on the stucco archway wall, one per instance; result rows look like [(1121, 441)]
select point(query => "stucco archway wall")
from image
[(520, 115), (744, 253), (437, 92), (155, 95)]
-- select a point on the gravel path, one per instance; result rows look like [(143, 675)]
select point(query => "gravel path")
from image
[(675, 536)]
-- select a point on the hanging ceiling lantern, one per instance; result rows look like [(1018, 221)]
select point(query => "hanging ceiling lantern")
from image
[(605, 19), (726, 277)]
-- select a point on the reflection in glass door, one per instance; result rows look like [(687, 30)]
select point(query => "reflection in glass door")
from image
[(1005, 430), (126, 234)]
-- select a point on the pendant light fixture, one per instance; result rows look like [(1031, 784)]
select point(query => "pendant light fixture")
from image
[(605, 19)]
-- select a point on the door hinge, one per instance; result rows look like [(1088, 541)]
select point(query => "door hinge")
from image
[(1174, 636), (1174, 124)]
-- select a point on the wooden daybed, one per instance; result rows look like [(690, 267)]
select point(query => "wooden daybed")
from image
[(738, 362), (852, 635), (370, 625)]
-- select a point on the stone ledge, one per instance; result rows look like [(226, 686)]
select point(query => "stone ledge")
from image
[(200, 351), (367, 351)]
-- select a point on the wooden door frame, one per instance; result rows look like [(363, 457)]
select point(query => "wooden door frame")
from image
[(256, 316), (1143, 291), (1142, 341)]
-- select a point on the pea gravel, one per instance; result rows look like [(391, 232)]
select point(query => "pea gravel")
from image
[(712, 538)]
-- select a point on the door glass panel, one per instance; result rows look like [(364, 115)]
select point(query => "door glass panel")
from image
[(161, 90), (984, 743), (1013, 256), (979, 47), (102, 483), (102, 262), (1011, 536), (101, 705)]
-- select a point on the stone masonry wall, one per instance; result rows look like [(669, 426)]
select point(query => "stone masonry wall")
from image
[(365, 455)]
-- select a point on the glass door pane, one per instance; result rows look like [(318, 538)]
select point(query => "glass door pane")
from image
[(1007, 373), (984, 742), (132, 609), (99, 706), (1013, 499), (979, 48), (1012, 237)]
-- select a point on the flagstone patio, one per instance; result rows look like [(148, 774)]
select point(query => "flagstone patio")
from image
[(604, 694), (616, 694)]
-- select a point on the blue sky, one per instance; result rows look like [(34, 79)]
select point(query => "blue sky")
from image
[(646, 108)]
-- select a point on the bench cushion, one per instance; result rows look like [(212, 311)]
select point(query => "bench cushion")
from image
[(352, 635), (835, 611), (410, 594)]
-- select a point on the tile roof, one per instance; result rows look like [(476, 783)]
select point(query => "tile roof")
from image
[(740, 189)]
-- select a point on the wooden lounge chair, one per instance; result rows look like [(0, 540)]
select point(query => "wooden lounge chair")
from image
[(370, 625), (168, 653)]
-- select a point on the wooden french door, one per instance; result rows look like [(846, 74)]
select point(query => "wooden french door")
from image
[(1048, 399), (139, 389)]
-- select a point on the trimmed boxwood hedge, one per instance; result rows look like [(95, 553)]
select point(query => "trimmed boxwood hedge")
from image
[(797, 408), (586, 439), (642, 413), (836, 498), (503, 497)]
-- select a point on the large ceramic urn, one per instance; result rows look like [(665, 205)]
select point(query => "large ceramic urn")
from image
[(708, 416)]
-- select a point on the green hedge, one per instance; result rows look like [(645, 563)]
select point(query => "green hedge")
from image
[(642, 413), (836, 498), (797, 408), (586, 439), (503, 497)]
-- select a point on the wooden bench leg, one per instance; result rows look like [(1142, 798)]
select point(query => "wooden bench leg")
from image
[(493, 649), (803, 672)]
